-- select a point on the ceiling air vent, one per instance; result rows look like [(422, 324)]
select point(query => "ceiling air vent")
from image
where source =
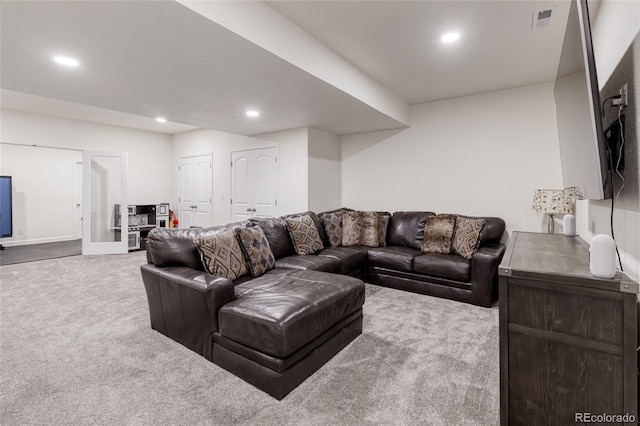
[(541, 19)]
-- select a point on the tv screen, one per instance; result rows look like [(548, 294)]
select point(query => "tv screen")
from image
[(583, 152)]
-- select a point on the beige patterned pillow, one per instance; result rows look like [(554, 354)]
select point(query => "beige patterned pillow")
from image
[(304, 234), (467, 236), (221, 254), (360, 229), (257, 251), (438, 233)]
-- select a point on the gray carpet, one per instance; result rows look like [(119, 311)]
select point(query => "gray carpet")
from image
[(76, 348), (33, 252)]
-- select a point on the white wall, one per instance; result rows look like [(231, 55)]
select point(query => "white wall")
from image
[(616, 30), (150, 158), (42, 191), (478, 155), (293, 169), (613, 29), (324, 171), (292, 166)]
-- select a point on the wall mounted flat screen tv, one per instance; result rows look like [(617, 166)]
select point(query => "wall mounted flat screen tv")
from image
[(583, 150), (6, 219)]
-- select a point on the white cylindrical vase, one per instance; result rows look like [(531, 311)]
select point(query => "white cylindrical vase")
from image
[(569, 225), (602, 256)]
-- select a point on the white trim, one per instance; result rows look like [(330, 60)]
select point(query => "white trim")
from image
[(8, 243)]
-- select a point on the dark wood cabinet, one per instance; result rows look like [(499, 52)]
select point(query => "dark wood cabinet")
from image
[(568, 340)]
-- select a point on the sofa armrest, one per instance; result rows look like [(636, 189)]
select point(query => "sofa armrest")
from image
[(184, 304), (484, 273)]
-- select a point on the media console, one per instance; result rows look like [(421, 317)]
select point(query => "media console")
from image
[(567, 340)]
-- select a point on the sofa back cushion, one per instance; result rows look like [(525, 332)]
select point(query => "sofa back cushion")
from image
[(406, 229), (176, 247), (275, 230)]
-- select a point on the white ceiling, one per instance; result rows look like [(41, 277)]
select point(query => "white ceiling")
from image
[(398, 42), (159, 58)]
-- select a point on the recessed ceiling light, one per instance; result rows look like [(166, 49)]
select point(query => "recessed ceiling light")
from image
[(64, 60), (450, 37), (253, 113), (161, 119)]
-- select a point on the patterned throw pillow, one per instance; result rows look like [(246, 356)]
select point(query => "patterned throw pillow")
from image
[(256, 249), (304, 234), (221, 254), (467, 236), (438, 233), (383, 227), (360, 229), (333, 227)]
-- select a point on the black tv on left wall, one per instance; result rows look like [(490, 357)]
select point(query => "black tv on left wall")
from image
[(583, 149), (6, 207)]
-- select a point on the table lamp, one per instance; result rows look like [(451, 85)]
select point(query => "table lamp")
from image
[(552, 202)]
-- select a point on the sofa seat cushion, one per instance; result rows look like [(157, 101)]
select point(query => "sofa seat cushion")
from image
[(442, 265), (309, 262), (392, 257), (279, 313), (350, 258)]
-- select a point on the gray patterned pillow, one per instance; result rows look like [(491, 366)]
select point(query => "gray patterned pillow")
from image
[(256, 249), (304, 234), (438, 233), (221, 254), (467, 236), (383, 227), (360, 229), (333, 227)]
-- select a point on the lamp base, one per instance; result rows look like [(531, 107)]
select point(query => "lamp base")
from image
[(551, 225)]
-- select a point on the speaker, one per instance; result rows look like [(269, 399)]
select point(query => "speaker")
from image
[(602, 256), (569, 225)]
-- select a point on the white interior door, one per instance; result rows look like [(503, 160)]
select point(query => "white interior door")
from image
[(196, 183), (104, 187), (254, 183)]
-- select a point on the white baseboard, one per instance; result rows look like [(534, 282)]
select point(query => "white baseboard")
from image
[(10, 242)]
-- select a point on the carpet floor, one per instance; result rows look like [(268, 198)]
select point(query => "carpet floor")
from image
[(76, 348), (33, 252)]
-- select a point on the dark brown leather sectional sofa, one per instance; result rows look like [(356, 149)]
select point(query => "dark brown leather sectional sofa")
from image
[(275, 330)]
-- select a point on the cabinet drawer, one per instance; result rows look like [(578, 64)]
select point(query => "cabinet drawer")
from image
[(594, 315)]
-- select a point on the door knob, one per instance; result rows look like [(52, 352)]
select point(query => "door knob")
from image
[(248, 209), (253, 210)]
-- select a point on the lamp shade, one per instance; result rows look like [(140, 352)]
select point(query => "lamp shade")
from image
[(552, 201), (572, 194)]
